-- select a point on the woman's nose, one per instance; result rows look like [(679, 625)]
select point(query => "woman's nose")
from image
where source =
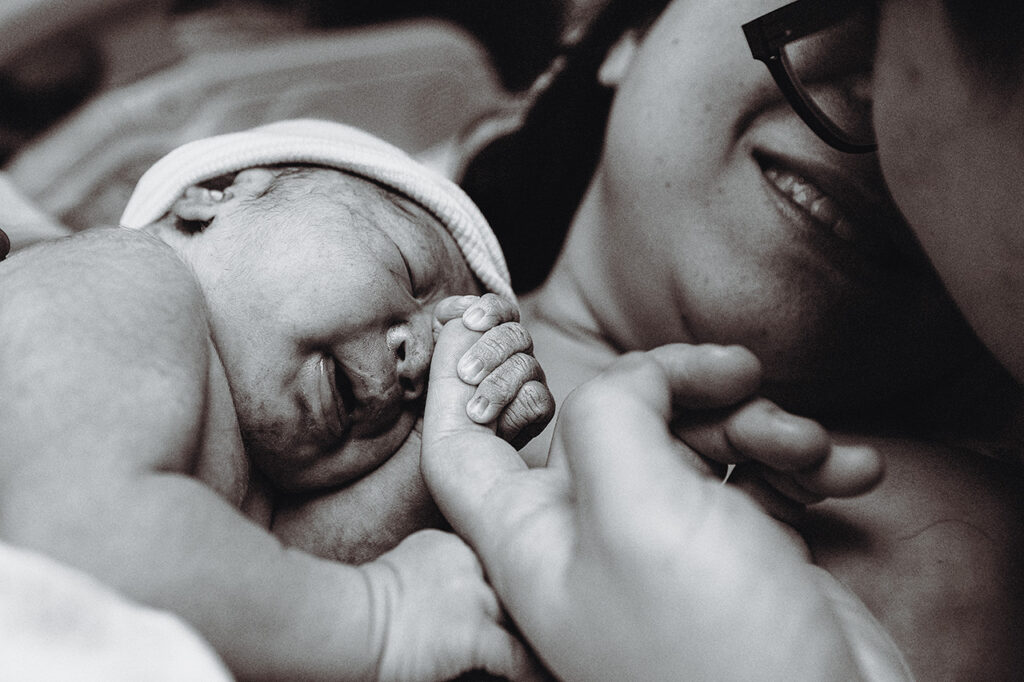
[(412, 343)]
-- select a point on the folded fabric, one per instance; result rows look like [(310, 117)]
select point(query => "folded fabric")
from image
[(23, 221), (333, 145), (59, 624)]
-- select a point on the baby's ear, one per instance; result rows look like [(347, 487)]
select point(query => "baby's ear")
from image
[(202, 205)]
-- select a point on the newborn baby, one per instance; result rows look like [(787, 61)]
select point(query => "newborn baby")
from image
[(266, 332)]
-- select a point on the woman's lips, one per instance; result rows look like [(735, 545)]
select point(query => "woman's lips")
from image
[(845, 205), (811, 199)]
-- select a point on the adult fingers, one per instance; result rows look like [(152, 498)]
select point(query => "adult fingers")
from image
[(708, 376), (849, 470), (495, 347), (614, 429), (447, 397), (757, 430), (801, 447)]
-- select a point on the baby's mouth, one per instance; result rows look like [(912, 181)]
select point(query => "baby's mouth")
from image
[(337, 400), (346, 396), (365, 409)]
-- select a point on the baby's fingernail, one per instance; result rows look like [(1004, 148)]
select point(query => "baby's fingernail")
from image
[(477, 408), (474, 316), (470, 369)]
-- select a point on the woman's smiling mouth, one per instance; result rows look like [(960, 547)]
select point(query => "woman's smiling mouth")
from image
[(811, 199)]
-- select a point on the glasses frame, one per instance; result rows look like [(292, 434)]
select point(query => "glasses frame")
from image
[(770, 33)]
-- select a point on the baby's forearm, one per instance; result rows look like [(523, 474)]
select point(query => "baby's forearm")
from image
[(168, 541)]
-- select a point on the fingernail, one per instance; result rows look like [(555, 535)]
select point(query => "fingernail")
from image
[(470, 369), (477, 408), (474, 316)]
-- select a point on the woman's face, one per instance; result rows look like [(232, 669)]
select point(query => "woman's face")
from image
[(952, 145), (723, 218)]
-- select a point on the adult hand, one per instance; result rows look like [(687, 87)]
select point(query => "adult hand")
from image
[(621, 560)]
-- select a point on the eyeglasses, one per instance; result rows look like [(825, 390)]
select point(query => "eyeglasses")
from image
[(821, 54)]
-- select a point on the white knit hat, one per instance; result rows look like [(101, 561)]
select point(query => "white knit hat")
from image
[(324, 143)]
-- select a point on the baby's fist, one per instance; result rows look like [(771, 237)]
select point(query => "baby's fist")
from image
[(438, 617)]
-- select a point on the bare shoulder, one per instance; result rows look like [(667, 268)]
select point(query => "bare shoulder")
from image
[(935, 553), (103, 340)]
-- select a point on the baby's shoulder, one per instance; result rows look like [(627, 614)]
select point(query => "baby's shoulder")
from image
[(111, 327), (106, 281)]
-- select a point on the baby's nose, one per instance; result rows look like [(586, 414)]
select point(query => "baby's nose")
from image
[(412, 342)]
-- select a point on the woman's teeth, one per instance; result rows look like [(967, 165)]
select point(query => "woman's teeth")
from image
[(812, 200)]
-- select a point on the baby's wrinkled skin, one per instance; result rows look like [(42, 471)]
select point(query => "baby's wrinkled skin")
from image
[(155, 378)]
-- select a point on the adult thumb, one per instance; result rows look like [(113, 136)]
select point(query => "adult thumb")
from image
[(447, 395), (460, 459)]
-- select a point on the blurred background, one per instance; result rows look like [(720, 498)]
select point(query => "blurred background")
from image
[(93, 91)]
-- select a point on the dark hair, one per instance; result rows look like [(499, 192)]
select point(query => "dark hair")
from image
[(529, 182), (991, 33)]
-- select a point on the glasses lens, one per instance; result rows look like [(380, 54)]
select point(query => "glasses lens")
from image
[(833, 70)]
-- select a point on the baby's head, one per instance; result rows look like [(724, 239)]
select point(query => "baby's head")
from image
[(320, 272)]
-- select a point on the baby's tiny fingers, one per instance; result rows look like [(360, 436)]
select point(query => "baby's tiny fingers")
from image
[(490, 310), (453, 307), (501, 386), (527, 415), (496, 346)]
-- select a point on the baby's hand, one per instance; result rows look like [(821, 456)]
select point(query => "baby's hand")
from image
[(509, 380), (437, 618)]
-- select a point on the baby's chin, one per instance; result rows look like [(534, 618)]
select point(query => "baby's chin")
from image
[(360, 521), (356, 458)]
